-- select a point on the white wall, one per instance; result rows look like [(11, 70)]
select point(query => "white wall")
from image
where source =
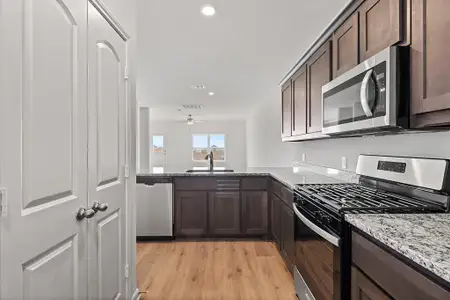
[(265, 147), (178, 142)]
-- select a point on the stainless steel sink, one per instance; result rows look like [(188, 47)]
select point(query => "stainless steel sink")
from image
[(207, 171)]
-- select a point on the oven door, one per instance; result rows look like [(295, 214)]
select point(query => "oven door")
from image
[(317, 260), (363, 98)]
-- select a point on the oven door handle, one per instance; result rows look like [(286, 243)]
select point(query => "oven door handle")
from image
[(364, 92), (327, 236)]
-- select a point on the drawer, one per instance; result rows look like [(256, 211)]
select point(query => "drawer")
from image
[(254, 183), (398, 279), (207, 184)]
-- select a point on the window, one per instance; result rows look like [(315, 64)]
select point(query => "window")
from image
[(202, 144), (158, 157), (158, 144)]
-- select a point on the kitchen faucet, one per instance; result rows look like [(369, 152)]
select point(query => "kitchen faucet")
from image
[(210, 156)]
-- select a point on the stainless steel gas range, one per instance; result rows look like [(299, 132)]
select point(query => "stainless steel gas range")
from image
[(386, 185)]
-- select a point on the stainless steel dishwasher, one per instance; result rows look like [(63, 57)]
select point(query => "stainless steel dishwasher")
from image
[(154, 209)]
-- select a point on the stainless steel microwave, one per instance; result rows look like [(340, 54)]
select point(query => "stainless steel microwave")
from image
[(371, 97)]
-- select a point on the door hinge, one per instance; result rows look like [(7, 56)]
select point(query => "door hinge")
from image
[(3, 203), (127, 271), (126, 171), (126, 75)]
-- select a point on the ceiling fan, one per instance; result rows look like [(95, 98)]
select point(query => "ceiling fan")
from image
[(190, 120)]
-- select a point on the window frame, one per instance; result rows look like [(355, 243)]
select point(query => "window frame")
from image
[(209, 147)]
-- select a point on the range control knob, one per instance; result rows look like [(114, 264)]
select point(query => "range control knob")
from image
[(300, 201), (318, 215), (326, 220)]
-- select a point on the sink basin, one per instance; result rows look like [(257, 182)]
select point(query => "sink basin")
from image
[(207, 171)]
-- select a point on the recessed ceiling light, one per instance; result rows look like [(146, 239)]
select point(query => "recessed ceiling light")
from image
[(211, 93), (208, 10)]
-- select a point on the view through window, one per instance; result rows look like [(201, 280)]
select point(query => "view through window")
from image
[(202, 144), (158, 144), (158, 159)]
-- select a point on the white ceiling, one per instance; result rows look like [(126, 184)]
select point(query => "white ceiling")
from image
[(241, 54)]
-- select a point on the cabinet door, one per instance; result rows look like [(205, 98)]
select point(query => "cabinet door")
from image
[(364, 289), (299, 98), (286, 110), (287, 229), (345, 46), (319, 74), (224, 213), (254, 212), (430, 74), (276, 219), (380, 26), (191, 213)]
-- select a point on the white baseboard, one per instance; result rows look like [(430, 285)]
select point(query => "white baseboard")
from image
[(136, 295)]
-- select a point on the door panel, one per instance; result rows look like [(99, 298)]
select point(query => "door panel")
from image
[(299, 100), (224, 213), (191, 211), (107, 158), (380, 28), (255, 212), (345, 46), (286, 111), (109, 236), (59, 262), (319, 74), (430, 91), (46, 146), (44, 151)]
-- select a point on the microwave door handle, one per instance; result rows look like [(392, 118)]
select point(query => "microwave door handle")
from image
[(364, 92), (327, 236)]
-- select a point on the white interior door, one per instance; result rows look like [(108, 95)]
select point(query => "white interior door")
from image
[(44, 149), (107, 158)]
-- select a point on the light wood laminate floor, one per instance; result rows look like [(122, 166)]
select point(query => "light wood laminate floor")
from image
[(212, 270)]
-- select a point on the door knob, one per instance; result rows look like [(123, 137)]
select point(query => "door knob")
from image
[(85, 213), (97, 206)]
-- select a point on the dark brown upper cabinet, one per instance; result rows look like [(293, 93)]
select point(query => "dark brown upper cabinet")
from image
[(319, 73), (255, 212), (430, 74), (346, 46), (191, 213), (286, 111), (380, 25), (299, 99), (224, 213)]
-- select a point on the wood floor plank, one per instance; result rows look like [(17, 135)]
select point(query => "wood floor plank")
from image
[(212, 270)]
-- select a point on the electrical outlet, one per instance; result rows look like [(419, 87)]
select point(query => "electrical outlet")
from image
[(304, 157), (344, 162)]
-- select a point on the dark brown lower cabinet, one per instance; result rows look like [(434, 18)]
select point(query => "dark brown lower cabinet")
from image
[(191, 213), (287, 229), (396, 278), (275, 212), (254, 212), (224, 213), (364, 289), (282, 229)]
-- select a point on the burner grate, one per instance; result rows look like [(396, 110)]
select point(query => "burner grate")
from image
[(358, 198)]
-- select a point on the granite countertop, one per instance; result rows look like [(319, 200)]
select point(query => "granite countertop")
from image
[(303, 175), (423, 238)]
